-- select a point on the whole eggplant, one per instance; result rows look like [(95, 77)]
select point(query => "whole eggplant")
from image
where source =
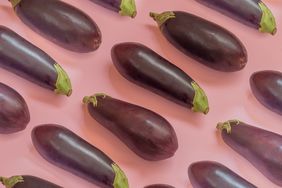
[(253, 13), (65, 149), (211, 174), (266, 86), (206, 42), (159, 186), (27, 181), (123, 7), (19, 56), (61, 23), (260, 147), (145, 132), (144, 67), (14, 112)]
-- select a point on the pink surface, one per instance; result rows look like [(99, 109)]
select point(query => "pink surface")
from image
[(229, 97)]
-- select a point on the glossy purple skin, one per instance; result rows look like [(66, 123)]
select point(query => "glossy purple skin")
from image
[(19, 56), (109, 4), (14, 112), (61, 23), (144, 67), (159, 186), (68, 151), (245, 11), (267, 88), (260, 147), (211, 174), (206, 42), (145, 132), (35, 182)]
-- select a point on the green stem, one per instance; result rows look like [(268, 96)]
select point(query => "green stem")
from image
[(267, 23), (12, 181), (163, 17), (200, 101), (120, 180), (63, 84), (15, 2), (93, 99), (227, 125), (128, 8)]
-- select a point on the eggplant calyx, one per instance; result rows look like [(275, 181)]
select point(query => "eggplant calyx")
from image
[(162, 17), (267, 22), (200, 101), (12, 181), (63, 84), (15, 2), (227, 125), (128, 8), (120, 180), (93, 99)]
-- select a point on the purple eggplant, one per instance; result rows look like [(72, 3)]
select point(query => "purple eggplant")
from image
[(145, 132), (211, 174), (14, 112), (260, 147), (267, 88), (60, 23), (63, 148), (24, 59), (159, 186), (27, 181), (253, 13), (206, 42), (123, 7), (144, 67)]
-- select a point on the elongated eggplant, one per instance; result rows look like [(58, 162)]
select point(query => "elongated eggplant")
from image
[(267, 88), (144, 67), (206, 42), (159, 186), (253, 13), (19, 56), (260, 147), (123, 7), (145, 132), (27, 181), (63, 148), (14, 112), (60, 23), (211, 174)]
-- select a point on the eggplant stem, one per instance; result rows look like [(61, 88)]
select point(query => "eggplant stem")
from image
[(15, 2), (93, 99), (227, 125), (12, 181), (128, 8), (120, 180), (267, 22), (63, 84), (200, 100), (162, 17)]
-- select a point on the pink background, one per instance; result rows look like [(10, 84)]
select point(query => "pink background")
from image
[(229, 97)]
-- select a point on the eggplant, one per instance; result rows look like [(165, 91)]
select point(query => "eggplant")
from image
[(14, 112), (144, 67), (123, 7), (266, 86), (159, 186), (202, 40), (27, 181), (145, 132), (64, 149), (211, 174), (260, 147), (24, 59), (61, 23), (253, 13)]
